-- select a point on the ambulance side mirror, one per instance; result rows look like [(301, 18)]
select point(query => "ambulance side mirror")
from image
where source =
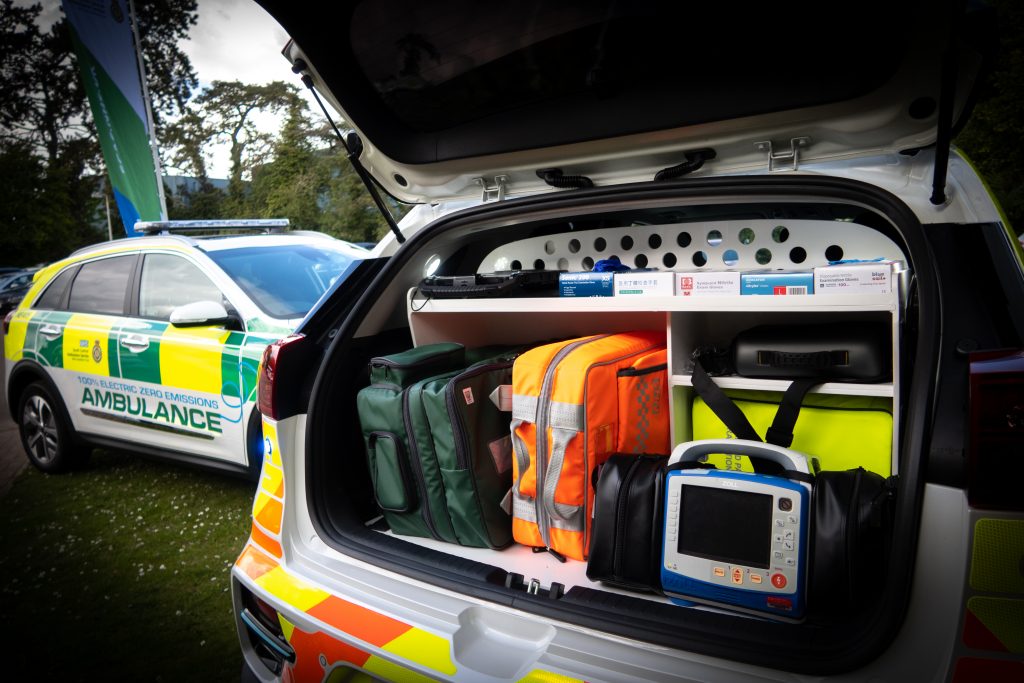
[(200, 314)]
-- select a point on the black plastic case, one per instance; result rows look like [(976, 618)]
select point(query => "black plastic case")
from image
[(855, 351), (524, 283)]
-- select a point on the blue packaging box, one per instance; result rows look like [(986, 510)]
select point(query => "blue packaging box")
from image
[(586, 284), (777, 282)]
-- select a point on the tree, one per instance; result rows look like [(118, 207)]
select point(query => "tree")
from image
[(169, 73), (44, 208), (20, 42), (309, 180), (227, 113), (293, 181)]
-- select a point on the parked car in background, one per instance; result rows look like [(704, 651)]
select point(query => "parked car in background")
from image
[(152, 343), (682, 137), (13, 288)]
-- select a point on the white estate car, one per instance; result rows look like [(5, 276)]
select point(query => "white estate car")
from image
[(691, 139)]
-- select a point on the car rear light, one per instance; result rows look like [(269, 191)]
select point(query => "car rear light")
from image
[(996, 439), (7, 320), (269, 387)]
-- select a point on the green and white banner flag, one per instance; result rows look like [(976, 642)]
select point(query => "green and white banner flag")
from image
[(102, 35)]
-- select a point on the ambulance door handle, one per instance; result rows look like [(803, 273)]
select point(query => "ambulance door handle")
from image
[(135, 343), (50, 331)]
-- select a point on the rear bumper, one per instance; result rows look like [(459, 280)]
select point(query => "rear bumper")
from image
[(341, 613)]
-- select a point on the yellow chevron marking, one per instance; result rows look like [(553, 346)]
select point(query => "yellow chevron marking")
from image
[(270, 432), (538, 676), (995, 562), (291, 590), (190, 358), (271, 478), (390, 671), (85, 343), (287, 627), (14, 340), (423, 648), (1004, 618)]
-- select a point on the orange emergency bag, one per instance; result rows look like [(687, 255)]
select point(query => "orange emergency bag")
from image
[(574, 404)]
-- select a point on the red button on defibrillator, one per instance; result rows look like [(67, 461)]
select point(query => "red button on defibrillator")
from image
[(779, 580)]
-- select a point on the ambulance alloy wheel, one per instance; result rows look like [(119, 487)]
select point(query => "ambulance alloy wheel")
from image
[(46, 433)]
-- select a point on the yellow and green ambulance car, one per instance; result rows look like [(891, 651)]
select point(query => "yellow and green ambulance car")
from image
[(152, 343)]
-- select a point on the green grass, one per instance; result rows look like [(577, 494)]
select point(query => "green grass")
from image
[(120, 571)]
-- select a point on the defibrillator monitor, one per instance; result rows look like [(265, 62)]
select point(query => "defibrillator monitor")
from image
[(736, 539)]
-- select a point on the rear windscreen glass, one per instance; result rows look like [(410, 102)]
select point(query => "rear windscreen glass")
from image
[(441, 65)]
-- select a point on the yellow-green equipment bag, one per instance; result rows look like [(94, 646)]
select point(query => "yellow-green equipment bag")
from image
[(841, 432), (837, 432)]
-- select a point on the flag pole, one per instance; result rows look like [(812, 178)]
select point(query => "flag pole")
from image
[(149, 108), (106, 201)]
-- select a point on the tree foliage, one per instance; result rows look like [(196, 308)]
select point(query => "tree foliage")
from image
[(227, 113), (47, 136), (300, 173)]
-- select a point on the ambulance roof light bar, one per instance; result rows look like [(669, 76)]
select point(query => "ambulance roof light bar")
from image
[(248, 224)]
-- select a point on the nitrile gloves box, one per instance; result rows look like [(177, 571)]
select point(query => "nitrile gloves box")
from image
[(869, 277), (777, 282), (586, 284), (644, 283), (708, 283)]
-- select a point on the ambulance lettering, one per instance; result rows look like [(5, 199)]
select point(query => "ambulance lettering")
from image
[(151, 409)]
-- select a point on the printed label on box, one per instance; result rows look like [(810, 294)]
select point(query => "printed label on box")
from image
[(854, 278), (777, 283), (586, 284), (709, 283), (645, 283)]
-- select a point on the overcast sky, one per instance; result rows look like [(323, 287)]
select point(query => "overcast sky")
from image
[(237, 40), (232, 40)]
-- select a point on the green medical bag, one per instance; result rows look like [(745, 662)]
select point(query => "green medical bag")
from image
[(439, 449)]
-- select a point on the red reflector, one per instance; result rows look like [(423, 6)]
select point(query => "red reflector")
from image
[(268, 388), (973, 669), (267, 610)]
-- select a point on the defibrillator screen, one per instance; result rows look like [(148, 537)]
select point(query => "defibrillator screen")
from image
[(727, 526)]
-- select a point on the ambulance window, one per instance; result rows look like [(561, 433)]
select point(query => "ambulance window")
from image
[(169, 282), (54, 294), (100, 286)]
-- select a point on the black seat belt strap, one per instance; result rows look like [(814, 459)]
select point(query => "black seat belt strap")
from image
[(722, 406), (781, 431)]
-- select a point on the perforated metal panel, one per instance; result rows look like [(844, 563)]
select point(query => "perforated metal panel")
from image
[(719, 245)]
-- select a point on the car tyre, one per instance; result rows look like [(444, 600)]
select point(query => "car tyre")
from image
[(47, 436)]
